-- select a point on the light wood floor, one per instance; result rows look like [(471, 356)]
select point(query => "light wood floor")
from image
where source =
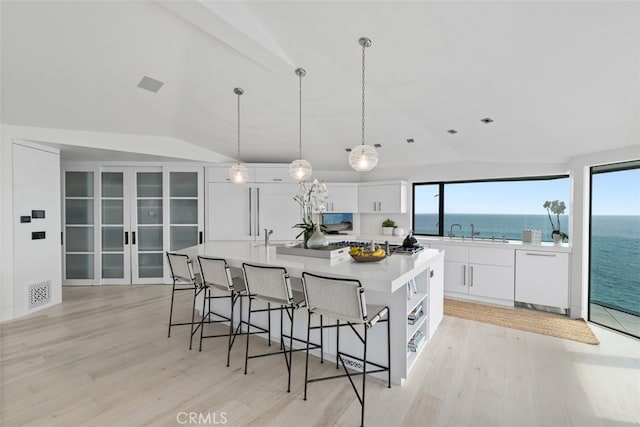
[(102, 358)]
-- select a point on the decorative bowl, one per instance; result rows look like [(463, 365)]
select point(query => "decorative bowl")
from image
[(370, 258)]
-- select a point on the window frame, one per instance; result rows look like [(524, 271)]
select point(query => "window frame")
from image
[(442, 194)]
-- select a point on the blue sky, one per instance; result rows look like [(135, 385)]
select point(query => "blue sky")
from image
[(614, 193)]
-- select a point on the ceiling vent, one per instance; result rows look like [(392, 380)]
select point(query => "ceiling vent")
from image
[(152, 85)]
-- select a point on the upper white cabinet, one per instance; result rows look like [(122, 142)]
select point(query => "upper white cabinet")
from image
[(244, 211), (542, 277), (342, 197), (382, 197)]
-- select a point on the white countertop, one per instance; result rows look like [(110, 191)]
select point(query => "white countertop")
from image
[(385, 276), (437, 241)]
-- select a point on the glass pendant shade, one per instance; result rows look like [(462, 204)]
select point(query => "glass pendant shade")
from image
[(300, 170), (363, 158), (238, 174)]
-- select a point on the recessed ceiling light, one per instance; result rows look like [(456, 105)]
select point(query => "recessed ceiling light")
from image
[(150, 84), (348, 150), (487, 120), (410, 140), (452, 131), (377, 145)]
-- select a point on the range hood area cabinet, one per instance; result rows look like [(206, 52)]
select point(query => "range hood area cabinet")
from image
[(382, 197), (243, 211), (343, 197)]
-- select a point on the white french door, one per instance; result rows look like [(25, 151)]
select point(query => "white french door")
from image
[(131, 221)]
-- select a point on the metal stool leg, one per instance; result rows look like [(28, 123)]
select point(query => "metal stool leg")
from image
[(246, 352)]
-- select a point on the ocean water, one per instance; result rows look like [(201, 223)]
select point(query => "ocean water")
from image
[(615, 248)]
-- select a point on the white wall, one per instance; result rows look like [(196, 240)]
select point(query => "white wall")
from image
[(30, 180), (6, 226)]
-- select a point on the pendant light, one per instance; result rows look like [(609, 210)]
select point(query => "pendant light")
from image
[(238, 174), (300, 169), (363, 157)]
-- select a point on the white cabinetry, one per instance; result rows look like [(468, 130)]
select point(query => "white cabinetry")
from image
[(479, 273), (542, 278), (382, 197), (119, 221), (425, 296), (243, 211), (343, 198)]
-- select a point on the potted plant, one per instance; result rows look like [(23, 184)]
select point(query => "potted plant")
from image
[(558, 209), (312, 199), (387, 226)]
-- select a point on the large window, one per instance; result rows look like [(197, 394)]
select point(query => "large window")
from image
[(496, 209), (614, 271)]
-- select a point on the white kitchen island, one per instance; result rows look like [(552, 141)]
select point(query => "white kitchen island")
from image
[(402, 282)]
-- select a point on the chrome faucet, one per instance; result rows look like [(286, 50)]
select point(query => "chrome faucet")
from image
[(451, 229), (474, 233), (267, 233)]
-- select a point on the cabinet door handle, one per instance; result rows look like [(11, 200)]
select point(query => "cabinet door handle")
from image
[(258, 211), (126, 237), (62, 238), (250, 211), (133, 237), (374, 206), (379, 206), (547, 255), (464, 275), (471, 276), (200, 237)]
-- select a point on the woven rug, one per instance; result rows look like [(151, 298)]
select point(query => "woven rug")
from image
[(526, 320)]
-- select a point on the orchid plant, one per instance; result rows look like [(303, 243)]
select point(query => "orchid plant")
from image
[(556, 207), (311, 200)]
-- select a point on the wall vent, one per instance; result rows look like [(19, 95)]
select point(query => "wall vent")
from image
[(39, 294)]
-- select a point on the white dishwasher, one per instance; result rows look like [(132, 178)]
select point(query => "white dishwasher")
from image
[(542, 277)]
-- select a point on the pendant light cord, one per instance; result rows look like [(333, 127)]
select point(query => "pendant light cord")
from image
[(239, 128), (364, 45), (300, 115)]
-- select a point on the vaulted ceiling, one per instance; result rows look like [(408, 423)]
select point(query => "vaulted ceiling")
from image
[(559, 79)]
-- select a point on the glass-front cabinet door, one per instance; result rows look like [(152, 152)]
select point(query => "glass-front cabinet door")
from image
[(79, 227), (185, 210), (148, 234), (115, 228)]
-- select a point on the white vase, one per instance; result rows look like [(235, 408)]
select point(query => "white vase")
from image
[(398, 231), (557, 238), (387, 231), (318, 239)]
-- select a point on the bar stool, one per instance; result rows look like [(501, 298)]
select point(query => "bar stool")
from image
[(184, 279), (216, 274), (272, 285), (344, 300)]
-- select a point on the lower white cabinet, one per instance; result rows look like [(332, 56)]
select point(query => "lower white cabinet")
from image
[(483, 273), (542, 277)]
